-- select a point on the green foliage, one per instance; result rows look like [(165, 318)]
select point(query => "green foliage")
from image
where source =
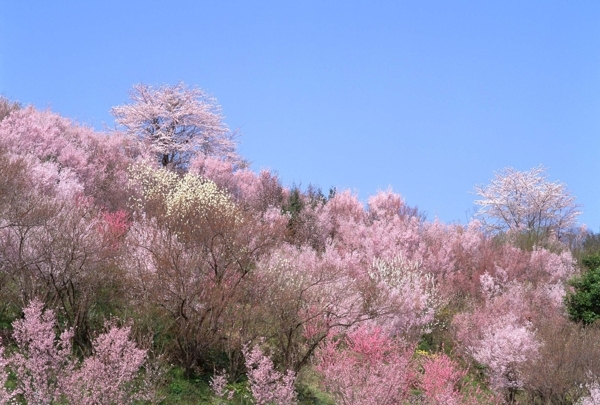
[(9, 312), (583, 304), (191, 390), (591, 244), (179, 389), (592, 262), (294, 204), (293, 208), (309, 392)]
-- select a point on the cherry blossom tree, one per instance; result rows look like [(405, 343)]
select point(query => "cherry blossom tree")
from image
[(268, 386), (500, 335), (42, 362), (109, 375), (526, 202), (505, 345), (367, 367), (393, 228), (303, 296), (342, 220), (218, 385), (47, 373), (96, 162), (440, 379), (408, 297), (175, 123), (50, 244)]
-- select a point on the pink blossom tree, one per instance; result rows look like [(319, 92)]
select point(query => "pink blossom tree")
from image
[(109, 375), (526, 202), (47, 372), (42, 363), (440, 379), (49, 238), (218, 384), (393, 228), (504, 350), (258, 192), (342, 221), (456, 255), (407, 297), (267, 385), (175, 123), (95, 161), (504, 342), (366, 367)]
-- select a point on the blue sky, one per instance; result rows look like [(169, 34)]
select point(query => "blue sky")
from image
[(427, 97)]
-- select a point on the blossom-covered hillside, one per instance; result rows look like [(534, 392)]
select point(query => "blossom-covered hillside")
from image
[(140, 261)]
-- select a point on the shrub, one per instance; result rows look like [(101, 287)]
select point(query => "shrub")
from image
[(46, 372), (583, 304)]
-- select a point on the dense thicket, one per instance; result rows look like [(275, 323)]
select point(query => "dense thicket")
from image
[(161, 234)]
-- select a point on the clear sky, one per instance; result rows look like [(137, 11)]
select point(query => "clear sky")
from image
[(429, 98)]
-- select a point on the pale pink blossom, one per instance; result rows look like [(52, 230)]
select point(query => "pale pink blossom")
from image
[(174, 123), (267, 385), (527, 202), (594, 397), (47, 372)]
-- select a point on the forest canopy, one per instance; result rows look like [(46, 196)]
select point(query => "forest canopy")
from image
[(153, 253)]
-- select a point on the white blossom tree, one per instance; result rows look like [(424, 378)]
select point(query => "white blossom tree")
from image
[(175, 123), (526, 202)]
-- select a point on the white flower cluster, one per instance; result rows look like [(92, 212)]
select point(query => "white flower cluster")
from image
[(198, 196), (153, 183), (181, 196), (398, 272), (411, 293), (594, 397), (285, 271)]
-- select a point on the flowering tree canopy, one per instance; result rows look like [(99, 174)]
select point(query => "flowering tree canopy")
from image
[(526, 202), (175, 123), (81, 160)]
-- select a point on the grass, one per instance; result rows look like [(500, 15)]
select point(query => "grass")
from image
[(181, 390)]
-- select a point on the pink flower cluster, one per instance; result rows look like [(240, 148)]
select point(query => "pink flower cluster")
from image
[(47, 372), (268, 386)]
